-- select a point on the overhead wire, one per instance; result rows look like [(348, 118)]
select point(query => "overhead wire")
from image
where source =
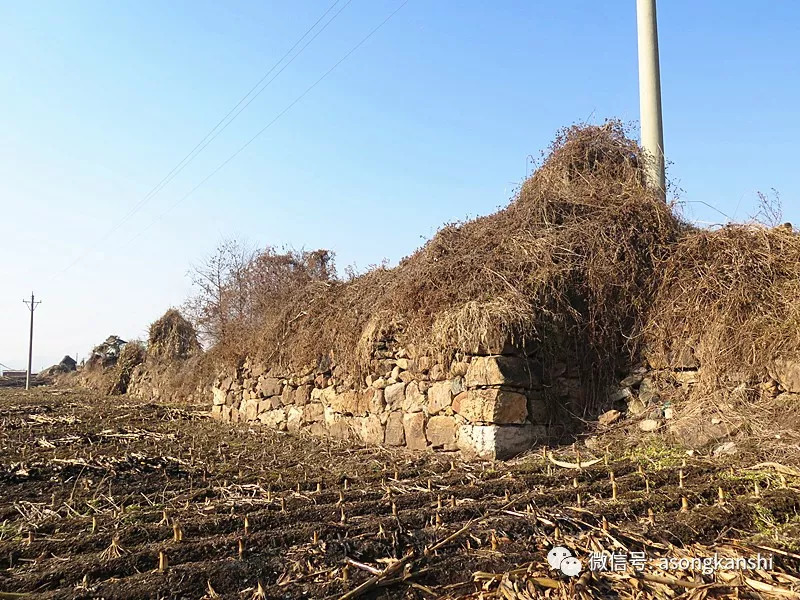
[(221, 125), (272, 122)]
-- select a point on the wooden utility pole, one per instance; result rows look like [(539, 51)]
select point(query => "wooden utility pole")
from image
[(32, 304), (650, 95)]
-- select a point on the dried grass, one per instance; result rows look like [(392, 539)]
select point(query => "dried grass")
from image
[(732, 295), (568, 268), (132, 355), (172, 337)]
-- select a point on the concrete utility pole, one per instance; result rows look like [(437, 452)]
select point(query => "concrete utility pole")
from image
[(32, 307), (650, 94)]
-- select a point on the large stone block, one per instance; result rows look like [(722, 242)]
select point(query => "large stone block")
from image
[(414, 427), (287, 396), (294, 418), (395, 434), (216, 411), (491, 405), (498, 441), (275, 419), (313, 412), (372, 401), (440, 397), (395, 394), (302, 395), (341, 428), (441, 431), (219, 396), (269, 386), (345, 403), (414, 399), (499, 370), (250, 410), (371, 430)]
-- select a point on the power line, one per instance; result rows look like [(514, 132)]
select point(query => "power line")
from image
[(217, 130), (272, 122)]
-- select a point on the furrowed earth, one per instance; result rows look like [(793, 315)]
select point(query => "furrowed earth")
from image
[(110, 497)]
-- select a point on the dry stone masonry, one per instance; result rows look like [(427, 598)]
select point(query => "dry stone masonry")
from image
[(489, 405)]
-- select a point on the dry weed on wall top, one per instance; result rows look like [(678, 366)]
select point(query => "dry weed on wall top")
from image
[(734, 296), (568, 266)]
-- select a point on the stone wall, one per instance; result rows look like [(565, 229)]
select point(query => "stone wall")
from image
[(489, 405)]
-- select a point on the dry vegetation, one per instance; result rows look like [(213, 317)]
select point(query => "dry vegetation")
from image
[(119, 499), (568, 268), (734, 295), (585, 266)]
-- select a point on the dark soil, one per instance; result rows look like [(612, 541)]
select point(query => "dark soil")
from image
[(79, 470)]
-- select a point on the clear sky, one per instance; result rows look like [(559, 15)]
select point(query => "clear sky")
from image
[(431, 120)]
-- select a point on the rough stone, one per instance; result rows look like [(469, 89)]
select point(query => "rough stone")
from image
[(414, 399), (648, 391), (287, 396), (787, 372), (371, 430), (294, 418), (491, 406), (457, 385), (726, 449), (395, 433), (498, 441), (216, 411), (440, 397), (269, 386), (340, 428), (302, 395), (609, 417), (617, 394), (459, 369), (650, 425), (414, 427), (219, 396), (441, 431), (499, 370), (276, 419), (313, 412), (631, 380), (395, 394), (251, 410)]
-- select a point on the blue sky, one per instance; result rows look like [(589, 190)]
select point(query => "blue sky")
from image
[(429, 121)]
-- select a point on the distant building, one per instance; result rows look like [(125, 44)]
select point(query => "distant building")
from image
[(13, 373)]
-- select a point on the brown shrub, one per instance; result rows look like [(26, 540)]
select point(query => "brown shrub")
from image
[(732, 295), (172, 337), (132, 354), (569, 268)]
